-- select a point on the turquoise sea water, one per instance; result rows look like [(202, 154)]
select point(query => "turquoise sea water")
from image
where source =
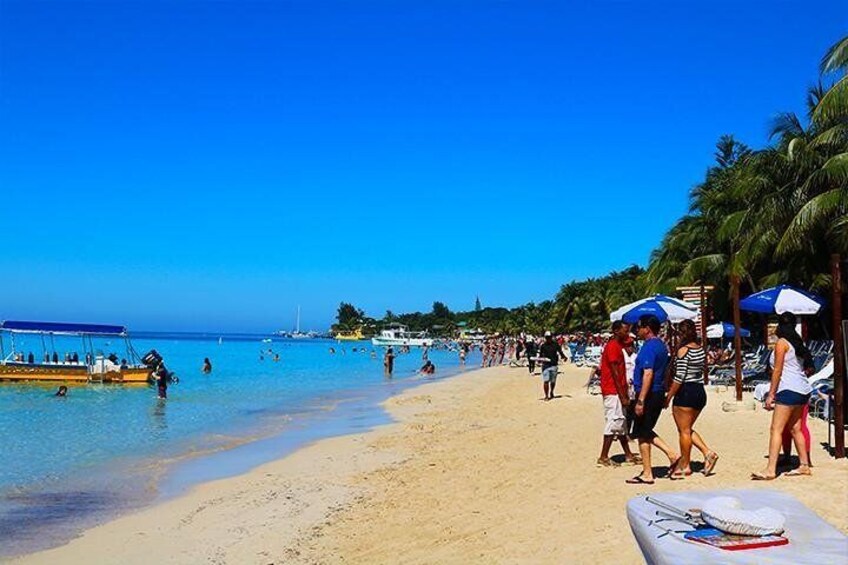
[(68, 463)]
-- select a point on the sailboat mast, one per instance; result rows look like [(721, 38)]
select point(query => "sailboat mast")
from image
[(297, 329)]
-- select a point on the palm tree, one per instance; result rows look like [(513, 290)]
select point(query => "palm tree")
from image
[(773, 215), (820, 152), (834, 103)]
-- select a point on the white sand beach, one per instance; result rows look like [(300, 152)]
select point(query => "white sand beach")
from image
[(476, 469)]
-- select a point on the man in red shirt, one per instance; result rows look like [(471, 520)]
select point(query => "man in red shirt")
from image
[(615, 393)]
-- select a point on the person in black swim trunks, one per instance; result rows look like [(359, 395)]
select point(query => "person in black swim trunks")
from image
[(651, 363)]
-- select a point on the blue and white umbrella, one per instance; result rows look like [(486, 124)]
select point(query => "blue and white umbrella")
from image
[(725, 329), (780, 299), (665, 308)]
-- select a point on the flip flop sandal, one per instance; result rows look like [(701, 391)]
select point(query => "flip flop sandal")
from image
[(606, 463), (672, 468), (798, 473), (760, 477), (638, 480), (709, 466)]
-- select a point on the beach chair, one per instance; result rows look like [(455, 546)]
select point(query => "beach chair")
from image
[(579, 355), (593, 385), (820, 404)]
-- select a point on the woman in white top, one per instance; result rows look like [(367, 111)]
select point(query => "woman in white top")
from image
[(788, 394), (629, 366)]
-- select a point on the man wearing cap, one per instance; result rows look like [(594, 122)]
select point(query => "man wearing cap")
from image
[(552, 351)]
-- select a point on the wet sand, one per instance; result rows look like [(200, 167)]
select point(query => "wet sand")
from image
[(477, 469)]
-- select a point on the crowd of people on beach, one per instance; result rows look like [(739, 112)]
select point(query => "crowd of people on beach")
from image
[(641, 377), (662, 379)]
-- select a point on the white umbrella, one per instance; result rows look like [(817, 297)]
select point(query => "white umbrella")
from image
[(663, 307), (780, 299), (725, 329)]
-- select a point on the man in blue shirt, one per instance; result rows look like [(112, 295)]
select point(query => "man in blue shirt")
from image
[(649, 383)]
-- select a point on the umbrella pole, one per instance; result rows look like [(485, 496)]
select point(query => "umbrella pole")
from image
[(704, 331), (838, 368), (737, 338)]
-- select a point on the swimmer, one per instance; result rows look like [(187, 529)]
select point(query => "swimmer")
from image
[(62, 392)]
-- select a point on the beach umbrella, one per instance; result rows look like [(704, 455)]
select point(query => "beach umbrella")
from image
[(780, 299), (665, 308), (724, 329)]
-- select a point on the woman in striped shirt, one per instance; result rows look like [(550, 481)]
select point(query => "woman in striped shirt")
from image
[(687, 390)]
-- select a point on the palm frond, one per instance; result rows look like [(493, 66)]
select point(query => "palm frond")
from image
[(838, 234), (786, 124), (836, 136), (821, 281), (836, 57), (705, 267), (817, 211), (729, 228), (834, 104)]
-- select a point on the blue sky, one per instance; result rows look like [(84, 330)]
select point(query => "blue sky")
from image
[(211, 165)]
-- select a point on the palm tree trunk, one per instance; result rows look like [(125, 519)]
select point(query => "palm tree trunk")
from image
[(737, 338), (751, 282)]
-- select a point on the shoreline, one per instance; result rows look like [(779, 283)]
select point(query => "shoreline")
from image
[(473, 467), (40, 520)]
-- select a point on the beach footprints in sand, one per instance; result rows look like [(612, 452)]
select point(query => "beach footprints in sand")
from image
[(417, 399)]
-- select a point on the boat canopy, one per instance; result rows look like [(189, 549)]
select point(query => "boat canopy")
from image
[(62, 328)]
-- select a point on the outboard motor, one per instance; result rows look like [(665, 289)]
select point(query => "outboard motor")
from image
[(152, 359)]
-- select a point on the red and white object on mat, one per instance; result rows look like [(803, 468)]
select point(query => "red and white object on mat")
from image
[(727, 514), (733, 542)]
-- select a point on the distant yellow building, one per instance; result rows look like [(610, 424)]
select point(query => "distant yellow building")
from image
[(355, 335)]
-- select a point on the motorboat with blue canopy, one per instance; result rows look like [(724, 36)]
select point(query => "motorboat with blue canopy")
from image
[(18, 361)]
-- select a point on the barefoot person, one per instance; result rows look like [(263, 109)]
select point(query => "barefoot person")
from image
[(651, 363), (786, 457), (614, 391), (687, 391), (789, 393), (551, 351)]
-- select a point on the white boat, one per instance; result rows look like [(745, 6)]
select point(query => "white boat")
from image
[(399, 335), (297, 334)]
